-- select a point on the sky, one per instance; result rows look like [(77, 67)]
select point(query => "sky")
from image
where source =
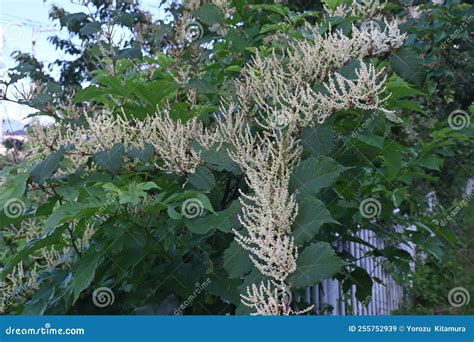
[(20, 21)]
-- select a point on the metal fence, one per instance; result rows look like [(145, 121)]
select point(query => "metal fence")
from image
[(329, 298)]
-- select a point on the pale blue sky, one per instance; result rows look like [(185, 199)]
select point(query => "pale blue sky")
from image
[(17, 20)]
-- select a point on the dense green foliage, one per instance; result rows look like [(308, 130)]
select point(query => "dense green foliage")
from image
[(150, 254)]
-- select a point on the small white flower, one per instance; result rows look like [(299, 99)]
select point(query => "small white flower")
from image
[(414, 12)]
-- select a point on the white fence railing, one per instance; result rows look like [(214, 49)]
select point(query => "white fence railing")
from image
[(329, 298)]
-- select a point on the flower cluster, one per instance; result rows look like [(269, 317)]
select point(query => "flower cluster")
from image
[(18, 285), (172, 141), (270, 211), (281, 86), (363, 93), (270, 299), (170, 138), (360, 8), (96, 134)]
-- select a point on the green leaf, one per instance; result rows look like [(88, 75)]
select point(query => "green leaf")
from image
[(224, 220), (14, 187), (398, 196), (350, 69), (71, 211), (125, 19), (90, 93), (332, 4), (132, 53), (280, 9), (410, 105), (363, 283), (430, 162), (46, 168), (111, 160), (234, 68), (132, 193), (318, 140), (225, 288), (237, 262), (72, 19), (84, 271), (161, 31), (398, 89), (143, 155), (202, 179), (154, 92), (91, 28), (312, 214), (408, 65), (316, 262), (209, 14), (314, 174), (202, 86), (220, 159), (393, 159), (371, 139)]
